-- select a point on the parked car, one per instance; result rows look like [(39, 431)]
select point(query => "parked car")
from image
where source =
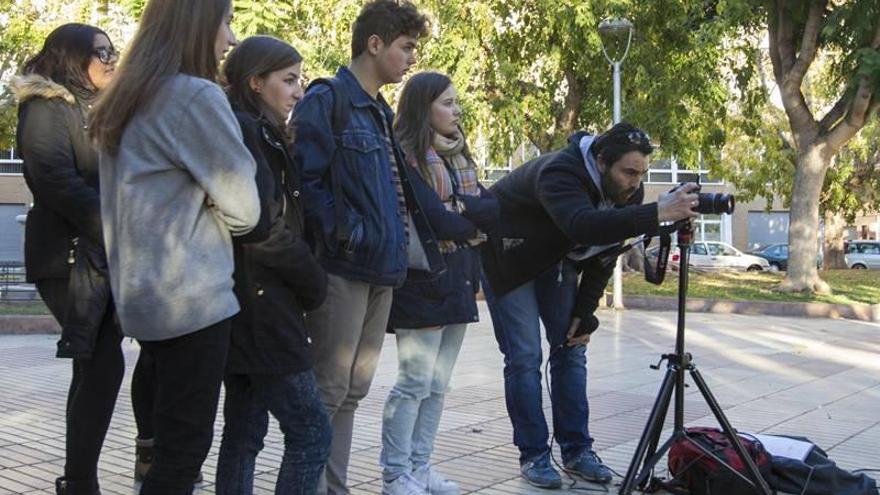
[(862, 255), (777, 255), (714, 256)]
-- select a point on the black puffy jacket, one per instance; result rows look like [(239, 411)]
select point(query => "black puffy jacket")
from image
[(61, 170), (276, 278), (63, 229)]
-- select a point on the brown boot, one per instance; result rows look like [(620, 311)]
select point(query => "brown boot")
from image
[(143, 457)]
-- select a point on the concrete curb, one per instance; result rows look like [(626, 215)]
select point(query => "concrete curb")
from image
[(45, 324), (28, 325), (861, 312)]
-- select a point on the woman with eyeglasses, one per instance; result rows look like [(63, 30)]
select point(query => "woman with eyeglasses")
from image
[(64, 245)]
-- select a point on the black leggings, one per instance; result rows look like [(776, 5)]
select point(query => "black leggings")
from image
[(143, 394), (94, 387)]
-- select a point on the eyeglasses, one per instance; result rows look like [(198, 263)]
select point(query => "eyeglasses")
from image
[(106, 55)]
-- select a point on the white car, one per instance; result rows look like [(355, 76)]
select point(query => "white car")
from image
[(861, 255), (714, 256)]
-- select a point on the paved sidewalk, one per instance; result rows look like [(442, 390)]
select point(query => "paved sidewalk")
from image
[(817, 378)]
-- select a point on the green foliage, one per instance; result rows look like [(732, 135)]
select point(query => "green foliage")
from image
[(759, 154)]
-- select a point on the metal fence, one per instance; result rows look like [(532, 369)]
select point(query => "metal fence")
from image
[(13, 286), (10, 166)]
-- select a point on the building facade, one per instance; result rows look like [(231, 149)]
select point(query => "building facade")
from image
[(14, 201)]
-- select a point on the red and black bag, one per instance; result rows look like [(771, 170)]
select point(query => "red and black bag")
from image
[(702, 474)]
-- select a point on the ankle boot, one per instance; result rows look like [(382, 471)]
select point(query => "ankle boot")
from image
[(63, 486), (143, 457)]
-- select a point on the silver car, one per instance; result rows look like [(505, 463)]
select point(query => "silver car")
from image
[(715, 256), (862, 255)]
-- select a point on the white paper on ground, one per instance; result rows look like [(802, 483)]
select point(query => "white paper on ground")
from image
[(785, 447)]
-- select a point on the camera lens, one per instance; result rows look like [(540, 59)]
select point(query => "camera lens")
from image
[(715, 203)]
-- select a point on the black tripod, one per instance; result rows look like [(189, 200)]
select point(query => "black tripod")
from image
[(678, 363)]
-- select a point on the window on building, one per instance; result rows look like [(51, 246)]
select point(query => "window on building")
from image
[(708, 228), (669, 171)]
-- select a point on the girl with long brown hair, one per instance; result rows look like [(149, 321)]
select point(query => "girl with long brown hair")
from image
[(177, 184), (429, 317), (270, 364)]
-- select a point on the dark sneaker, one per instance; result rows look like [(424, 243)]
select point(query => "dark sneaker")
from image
[(538, 472), (589, 467)]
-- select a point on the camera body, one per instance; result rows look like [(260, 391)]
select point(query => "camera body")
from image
[(711, 203)]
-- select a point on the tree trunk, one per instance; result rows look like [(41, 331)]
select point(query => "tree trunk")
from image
[(833, 252), (803, 232)]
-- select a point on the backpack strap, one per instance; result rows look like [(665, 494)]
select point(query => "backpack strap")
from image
[(339, 118)]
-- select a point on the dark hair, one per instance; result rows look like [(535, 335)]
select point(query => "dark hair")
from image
[(66, 55), (173, 37), (387, 19), (620, 140), (412, 124), (256, 56)]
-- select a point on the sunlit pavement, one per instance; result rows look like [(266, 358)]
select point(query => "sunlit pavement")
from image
[(808, 377)]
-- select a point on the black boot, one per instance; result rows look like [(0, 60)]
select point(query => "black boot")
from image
[(143, 452), (63, 486), (143, 457)]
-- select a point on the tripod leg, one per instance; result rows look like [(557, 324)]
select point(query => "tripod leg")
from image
[(654, 437), (652, 431), (757, 480)]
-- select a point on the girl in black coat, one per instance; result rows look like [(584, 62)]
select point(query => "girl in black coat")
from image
[(64, 247), (429, 316), (269, 368)]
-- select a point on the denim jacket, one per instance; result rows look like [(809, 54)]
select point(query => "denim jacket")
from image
[(376, 250)]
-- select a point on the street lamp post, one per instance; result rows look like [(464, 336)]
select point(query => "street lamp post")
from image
[(618, 34)]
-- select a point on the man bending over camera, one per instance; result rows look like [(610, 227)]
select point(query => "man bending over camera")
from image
[(558, 212)]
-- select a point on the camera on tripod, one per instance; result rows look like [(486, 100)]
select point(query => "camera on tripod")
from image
[(650, 450), (707, 204), (711, 203)]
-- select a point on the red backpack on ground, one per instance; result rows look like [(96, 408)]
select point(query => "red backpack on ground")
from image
[(704, 475)]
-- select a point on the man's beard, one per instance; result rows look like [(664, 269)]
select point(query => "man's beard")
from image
[(615, 194)]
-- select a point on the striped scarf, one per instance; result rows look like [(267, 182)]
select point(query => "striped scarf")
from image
[(451, 173)]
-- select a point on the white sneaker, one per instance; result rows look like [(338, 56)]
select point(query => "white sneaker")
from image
[(404, 485), (436, 483)]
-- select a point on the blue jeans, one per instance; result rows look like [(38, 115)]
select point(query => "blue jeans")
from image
[(412, 412), (294, 401), (517, 318)]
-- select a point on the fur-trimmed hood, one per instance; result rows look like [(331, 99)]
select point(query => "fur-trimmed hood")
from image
[(37, 86)]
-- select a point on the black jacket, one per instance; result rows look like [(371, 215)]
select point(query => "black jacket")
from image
[(63, 234), (276, 277), (61, 170), (549, 206), (450, 298)]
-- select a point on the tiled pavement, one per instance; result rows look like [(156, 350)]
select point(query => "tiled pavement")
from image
[(818, 378)]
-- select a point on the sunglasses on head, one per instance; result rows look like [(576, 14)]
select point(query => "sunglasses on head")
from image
[(638, 138), (106, 55)]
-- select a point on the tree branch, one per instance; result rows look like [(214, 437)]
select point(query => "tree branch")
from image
[(809, 42), (862, 105), (785, 39), (801, 119), (567, 119), (834, 115), (773, 35)]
